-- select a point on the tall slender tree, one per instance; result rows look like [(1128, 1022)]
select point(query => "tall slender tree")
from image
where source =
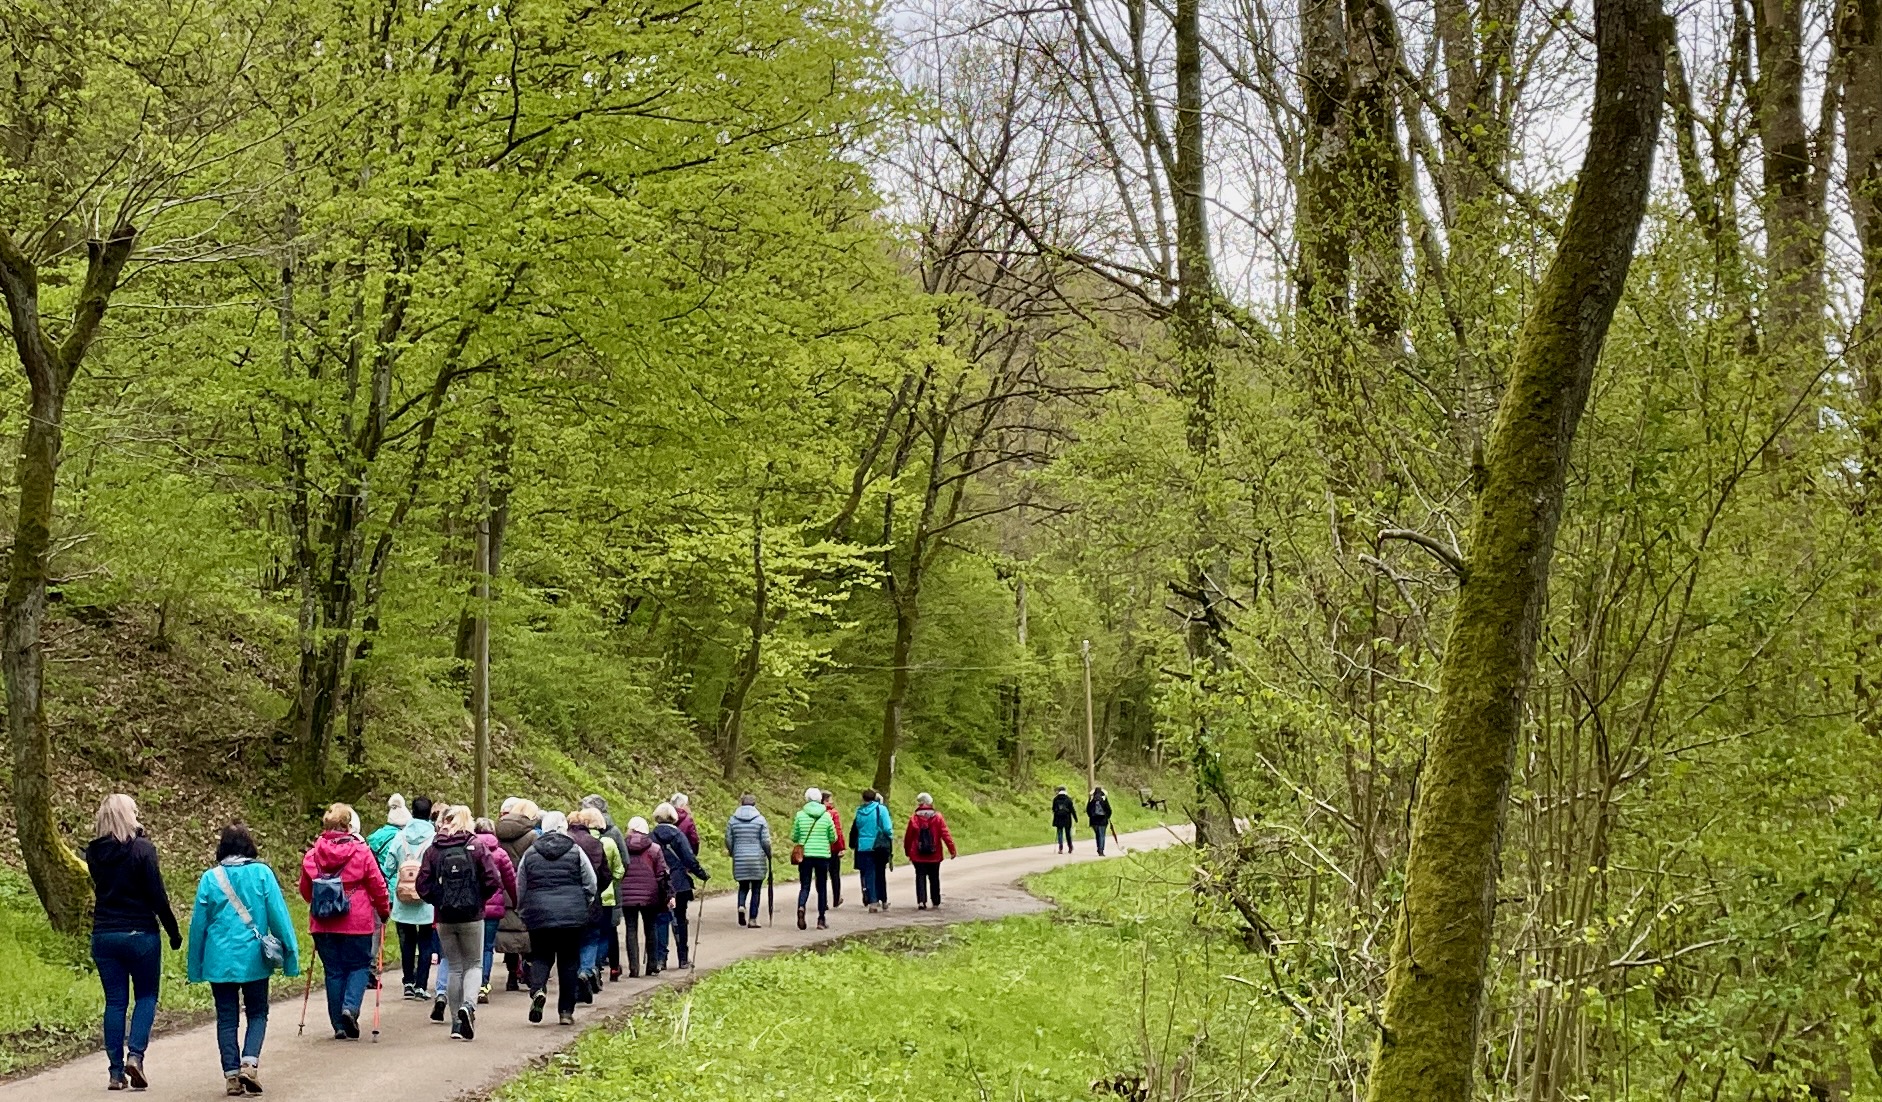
[(1436, 987)]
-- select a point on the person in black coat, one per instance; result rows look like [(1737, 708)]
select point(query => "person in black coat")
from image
[(131, 904), (1064, 818), (1098, 814)]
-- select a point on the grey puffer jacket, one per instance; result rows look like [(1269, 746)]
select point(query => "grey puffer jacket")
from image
[(748, 841), (557, 884)]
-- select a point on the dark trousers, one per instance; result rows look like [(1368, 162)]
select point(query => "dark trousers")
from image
[(1099, 829), (641, 923), (614, 940), (815, 869), (347, 961), (677, 920), (748, 892), (232, 999), (1065, 835), (928, 882), (561, 947), (416, 945), (125, 961), (872, 870), (836, 880)]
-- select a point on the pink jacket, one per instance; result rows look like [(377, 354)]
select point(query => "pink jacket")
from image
[(339, 852), (504, 897)]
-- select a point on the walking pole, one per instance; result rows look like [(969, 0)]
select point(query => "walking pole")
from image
[(305, 995), (378, 988), (699, 934)]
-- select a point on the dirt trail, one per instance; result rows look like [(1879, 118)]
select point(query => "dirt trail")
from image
[(415, 1060)]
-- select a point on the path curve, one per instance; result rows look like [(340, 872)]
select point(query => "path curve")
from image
[(416, 1061)]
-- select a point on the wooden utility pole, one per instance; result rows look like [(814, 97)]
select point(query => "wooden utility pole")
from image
[(1091, 744), (480, 669)]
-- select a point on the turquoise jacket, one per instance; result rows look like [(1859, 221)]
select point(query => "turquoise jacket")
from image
[(414, 840), (222, 948), (872, 821)]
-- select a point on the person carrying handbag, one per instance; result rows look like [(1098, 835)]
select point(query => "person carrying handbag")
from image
[(240, 935), (872, 837)]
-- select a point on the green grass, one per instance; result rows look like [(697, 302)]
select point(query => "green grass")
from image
[(1034, 1007)]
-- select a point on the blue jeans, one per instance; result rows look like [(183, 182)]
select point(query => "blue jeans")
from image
[(127, 960), (748, 896), (595, 942), (873, 872), (1065, 836), (1099, 829), (347, 960), (662, 936), (490, 949), (230, 1000)]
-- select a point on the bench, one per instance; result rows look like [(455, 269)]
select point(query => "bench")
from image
[(1144, 796)]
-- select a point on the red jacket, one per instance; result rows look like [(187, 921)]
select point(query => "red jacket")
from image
[(836, 847), (909, 836), (336, 851)]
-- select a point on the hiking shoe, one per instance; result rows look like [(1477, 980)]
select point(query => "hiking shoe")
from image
[(466, 1027), (800, 919), (821, 924), (117, 1085), (232, 1086), (483, 995), (411, 991), (535, 1007), (921, 906), (741, 918), (614, 975), (513, 983), (339, 1034), (134, 1072), (565, 1019), (437, 1009), (349, 1024), (250, 1077)]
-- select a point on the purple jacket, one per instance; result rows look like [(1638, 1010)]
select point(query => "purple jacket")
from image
[(503, 898), (645, 883)]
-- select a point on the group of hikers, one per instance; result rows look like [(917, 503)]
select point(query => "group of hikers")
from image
[(549, 891)]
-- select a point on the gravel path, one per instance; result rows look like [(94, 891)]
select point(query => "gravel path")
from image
[(415, 1060)]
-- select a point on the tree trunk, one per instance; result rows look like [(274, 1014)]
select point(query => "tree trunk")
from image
[(1374, 178), (1320, 225), (1793, 197), (745, 671), (58, 877), (1860, 37), (905, 614), (1435, 988)]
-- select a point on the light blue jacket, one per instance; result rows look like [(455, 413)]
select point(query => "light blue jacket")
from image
[(222, 948), (414, 840), (871, 821)]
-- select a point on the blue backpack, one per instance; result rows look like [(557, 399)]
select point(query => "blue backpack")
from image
[(330, 897)]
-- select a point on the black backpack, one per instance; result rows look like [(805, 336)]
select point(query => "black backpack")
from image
[(926, 844), (460, 885)]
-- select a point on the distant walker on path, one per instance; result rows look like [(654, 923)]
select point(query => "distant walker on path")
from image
[(1098, 814), (1064, 818)]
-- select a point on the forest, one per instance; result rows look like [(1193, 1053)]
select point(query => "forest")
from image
[(1454, 426)]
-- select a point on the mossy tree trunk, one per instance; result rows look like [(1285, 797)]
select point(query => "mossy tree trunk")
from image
[(1435, 988), (1860, 38), (57, 875)]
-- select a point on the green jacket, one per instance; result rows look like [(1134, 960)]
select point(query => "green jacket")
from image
[(615, 863), (813, 830)]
